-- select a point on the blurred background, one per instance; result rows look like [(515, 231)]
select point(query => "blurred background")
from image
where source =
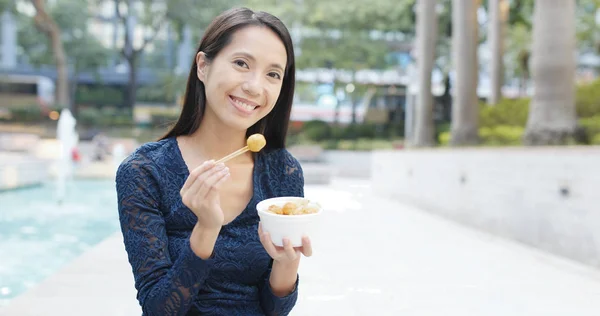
[(482, 114)]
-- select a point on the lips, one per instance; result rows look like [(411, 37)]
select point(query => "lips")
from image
[(244, 105)]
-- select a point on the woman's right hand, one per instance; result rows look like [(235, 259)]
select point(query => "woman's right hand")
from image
[(200, 193)]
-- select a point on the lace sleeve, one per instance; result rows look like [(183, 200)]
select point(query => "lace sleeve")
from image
[(164, 287), (274, 305)]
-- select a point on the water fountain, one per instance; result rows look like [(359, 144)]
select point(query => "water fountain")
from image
[(67, 138)]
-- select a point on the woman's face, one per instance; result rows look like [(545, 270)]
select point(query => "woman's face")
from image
[(244, 80)]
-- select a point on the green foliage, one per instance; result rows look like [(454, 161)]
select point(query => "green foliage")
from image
[(344, 35), (104, 117), (317, 130), (383, 15), (25, 114), (587, 99), (102, 95), (320, 131), (500, 135), (591, 129), (511, 112), (352, 50), (586, 26), (84, 52), (8, 5)]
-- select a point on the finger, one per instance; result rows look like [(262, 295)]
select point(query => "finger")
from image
[(201, 178), (214, 191), (306, 247), (268, 244), (212, 180), (194, 174), (289, 249)]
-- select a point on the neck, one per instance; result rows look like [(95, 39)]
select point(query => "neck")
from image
[(215, 141)]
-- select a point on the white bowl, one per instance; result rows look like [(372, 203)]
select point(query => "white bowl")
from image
[(292, 227)]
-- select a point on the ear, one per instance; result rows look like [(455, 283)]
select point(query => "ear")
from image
[(201, 66)]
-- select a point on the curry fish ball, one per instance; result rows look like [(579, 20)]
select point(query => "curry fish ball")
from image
[(275, 209), (256, 142), (289, 208)]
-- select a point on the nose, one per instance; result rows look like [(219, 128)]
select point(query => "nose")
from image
[(253, 85)]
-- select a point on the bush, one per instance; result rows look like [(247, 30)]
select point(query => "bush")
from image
[(511, 112), (32, 113), (501, 135), (317, 130), (591, 129), (104, 117), (587, 100)]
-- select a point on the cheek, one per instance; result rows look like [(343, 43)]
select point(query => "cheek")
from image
[(274, 93)]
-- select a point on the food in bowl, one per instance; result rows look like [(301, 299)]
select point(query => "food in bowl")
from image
[(289, 217), (291, 208)]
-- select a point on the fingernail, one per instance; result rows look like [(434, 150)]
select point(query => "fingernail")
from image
[(221, 165), (226, 170)]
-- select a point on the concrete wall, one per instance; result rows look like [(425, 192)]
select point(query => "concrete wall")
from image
[(353, 164), (17, 170), (545, 197)]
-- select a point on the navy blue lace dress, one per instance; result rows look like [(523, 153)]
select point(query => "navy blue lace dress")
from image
[(156, 226)]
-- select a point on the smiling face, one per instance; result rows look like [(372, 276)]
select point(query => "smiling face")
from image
[(244, 80)]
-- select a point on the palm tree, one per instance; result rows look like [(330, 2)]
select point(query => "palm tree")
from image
[(552, 118), (426, 38), (465, 110)]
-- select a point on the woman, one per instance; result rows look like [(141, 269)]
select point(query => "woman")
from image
[(190, 226)]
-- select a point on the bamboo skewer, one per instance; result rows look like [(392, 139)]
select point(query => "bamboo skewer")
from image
[(233, 155), (254, 143)]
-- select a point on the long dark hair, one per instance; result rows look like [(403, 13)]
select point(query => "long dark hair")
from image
[(218, 35)]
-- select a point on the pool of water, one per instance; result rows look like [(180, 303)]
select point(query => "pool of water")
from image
[(38, 236)]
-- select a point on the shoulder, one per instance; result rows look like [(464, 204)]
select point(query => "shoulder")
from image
[(145, 159), (285, 173)]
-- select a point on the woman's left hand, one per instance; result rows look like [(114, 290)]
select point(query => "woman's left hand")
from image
[(287, 253)]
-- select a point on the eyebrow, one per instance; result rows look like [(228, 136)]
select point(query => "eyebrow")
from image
[(249, 56)]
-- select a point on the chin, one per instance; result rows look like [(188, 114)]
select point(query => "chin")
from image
[(239, 124)]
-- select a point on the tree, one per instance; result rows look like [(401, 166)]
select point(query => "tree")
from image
[(46, 24), (465, 109), (83, 52), (426, 42), (151, 16), (588, 33), (552, 118), (344, 35), (518, 46), (9, 5)]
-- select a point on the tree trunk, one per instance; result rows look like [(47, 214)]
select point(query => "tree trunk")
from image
[(552, 118), (497, 18), (132, 84), (524, 65), (426, 39), (46, 24), (73, 91), (465, 109)]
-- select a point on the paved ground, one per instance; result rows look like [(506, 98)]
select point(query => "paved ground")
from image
[(374, 257)]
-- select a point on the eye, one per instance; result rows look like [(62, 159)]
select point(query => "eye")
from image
[(275, 75), (241, 63)]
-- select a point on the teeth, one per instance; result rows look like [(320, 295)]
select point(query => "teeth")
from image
[(244, 105)]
